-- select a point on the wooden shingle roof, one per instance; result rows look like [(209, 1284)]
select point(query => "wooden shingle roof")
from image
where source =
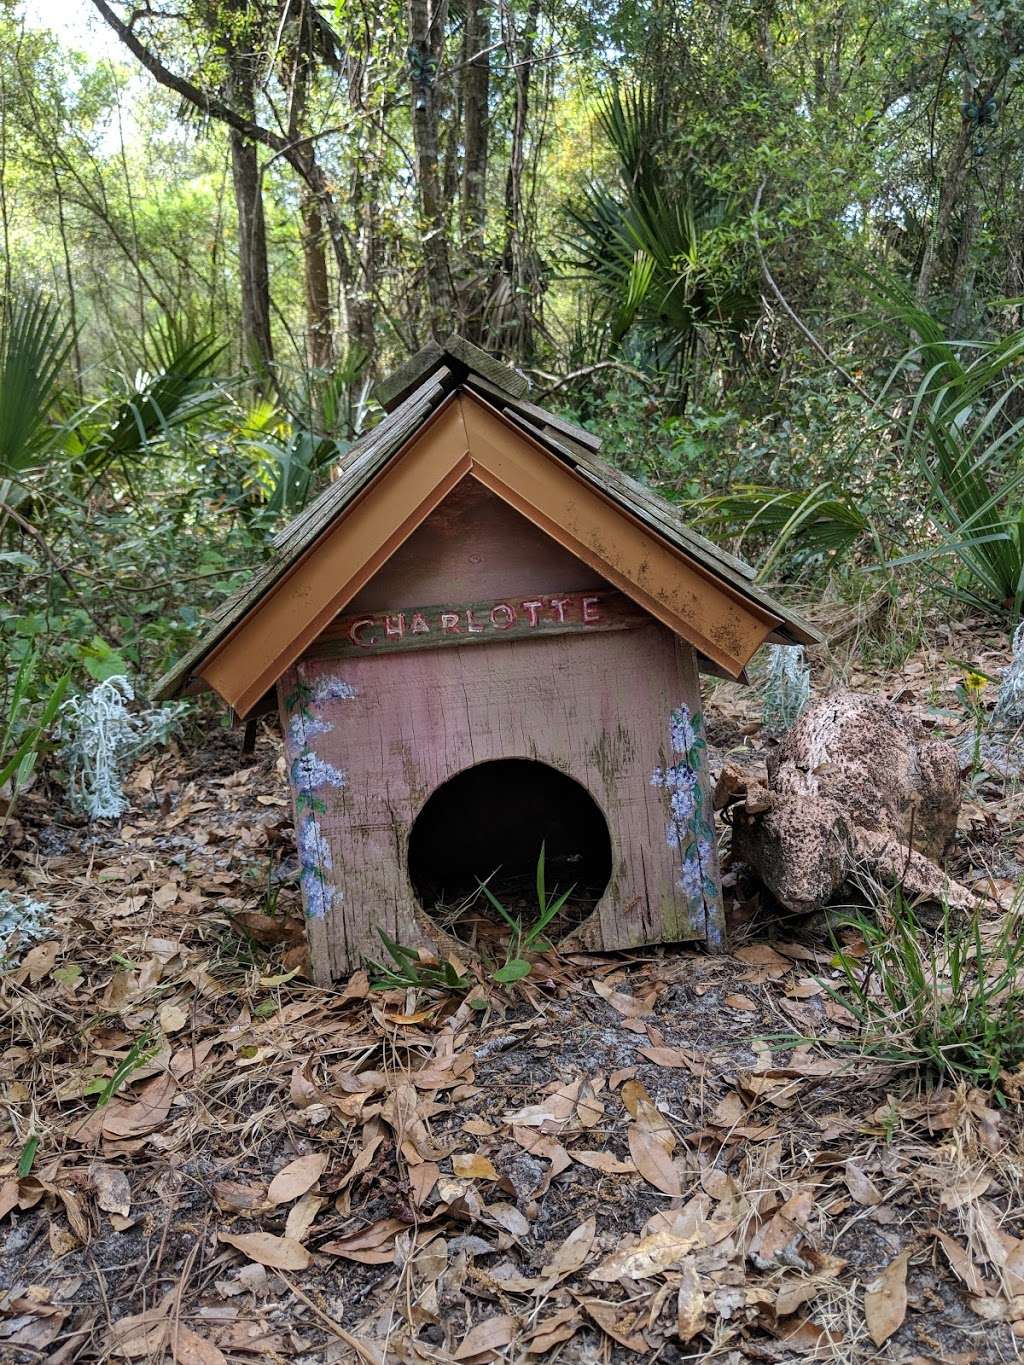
[(415, 397)]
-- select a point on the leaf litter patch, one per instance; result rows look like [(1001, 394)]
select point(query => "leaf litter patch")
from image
[(207, 1159)]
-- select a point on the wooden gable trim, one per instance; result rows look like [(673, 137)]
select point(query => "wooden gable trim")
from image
[(677, 591), (290, 617), (467, 437)]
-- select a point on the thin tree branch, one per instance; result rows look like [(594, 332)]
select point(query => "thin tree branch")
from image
[(790, 313), (201, 99), (592, 369)]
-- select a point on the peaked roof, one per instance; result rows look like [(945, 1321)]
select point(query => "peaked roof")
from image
[(460, 413)]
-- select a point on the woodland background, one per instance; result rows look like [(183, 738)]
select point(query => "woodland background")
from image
[(772, 252)]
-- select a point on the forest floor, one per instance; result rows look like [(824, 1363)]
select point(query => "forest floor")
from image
[(623, 1156)]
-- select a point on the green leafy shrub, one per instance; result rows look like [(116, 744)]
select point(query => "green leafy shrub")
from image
[(965, 435), (24, 723), (950, 1003)]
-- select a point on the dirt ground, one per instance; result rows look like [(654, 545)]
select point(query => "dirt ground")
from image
[(205, 1158)]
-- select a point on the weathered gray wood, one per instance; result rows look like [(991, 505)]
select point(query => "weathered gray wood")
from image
[(450, 625), (538, 417), (461, 357), (476, 361), (393, 388)]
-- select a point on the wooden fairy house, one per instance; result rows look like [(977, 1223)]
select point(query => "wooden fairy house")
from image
[(483, 638)]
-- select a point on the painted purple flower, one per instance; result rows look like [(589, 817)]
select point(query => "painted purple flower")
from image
[(310, 772), (333, 689), (684, 736), (681, 782), (318, 896), (313, 846), (301, 729), (683, 786), (692, 877)]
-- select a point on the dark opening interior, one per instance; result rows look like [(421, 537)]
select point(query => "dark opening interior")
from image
[(489, 822)]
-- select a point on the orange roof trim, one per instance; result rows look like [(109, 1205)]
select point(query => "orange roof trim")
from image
[(628, 535)]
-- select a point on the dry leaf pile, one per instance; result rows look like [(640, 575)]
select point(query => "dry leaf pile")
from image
[(618, 1160)]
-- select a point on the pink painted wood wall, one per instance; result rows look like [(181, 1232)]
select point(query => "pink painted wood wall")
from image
[(369, 739), (474, 546)]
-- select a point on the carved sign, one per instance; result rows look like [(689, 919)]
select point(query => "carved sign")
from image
[(511, 618)]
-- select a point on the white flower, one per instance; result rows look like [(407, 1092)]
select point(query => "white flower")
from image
[(334, 689), (692, 877), (684, 736), (318, 896), (301, 730), (684, 788), (313, 846), (310, 772)]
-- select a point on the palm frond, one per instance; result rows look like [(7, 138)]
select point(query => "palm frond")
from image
[(34, 344), (822, 521), (179, 390), (645, 237), (968, 445)]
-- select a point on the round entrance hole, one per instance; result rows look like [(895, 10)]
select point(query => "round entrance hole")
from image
[(488, 824)]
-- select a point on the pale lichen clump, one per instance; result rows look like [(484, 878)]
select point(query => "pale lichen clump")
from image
[(23, 920), (101, 737), (787, 688)]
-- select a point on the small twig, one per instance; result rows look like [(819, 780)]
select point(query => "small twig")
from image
[(359, 1347), (592, 369), (798, 322)]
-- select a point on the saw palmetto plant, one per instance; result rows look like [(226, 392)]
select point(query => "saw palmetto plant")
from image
[(649, 237), (965, 436)]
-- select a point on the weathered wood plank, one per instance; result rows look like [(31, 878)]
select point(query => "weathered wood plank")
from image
[(472, 547), (538, 417), (597, 707), (476, 361), (449, 625), (459, 355)]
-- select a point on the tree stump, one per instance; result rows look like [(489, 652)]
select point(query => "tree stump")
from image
[(855, 788)]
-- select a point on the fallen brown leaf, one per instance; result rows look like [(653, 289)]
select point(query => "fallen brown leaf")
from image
[(650, 1256), (573, 1252), (885, 1301), (691, 1315), (488, 1337), (280, 1253), (295, 1179), (473, 1166)]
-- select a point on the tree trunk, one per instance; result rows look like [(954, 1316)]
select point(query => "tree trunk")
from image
[(514, 257), (952, 185), (426, 31), (297, 67), (319, 323), (476, 125), (253, 268)]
